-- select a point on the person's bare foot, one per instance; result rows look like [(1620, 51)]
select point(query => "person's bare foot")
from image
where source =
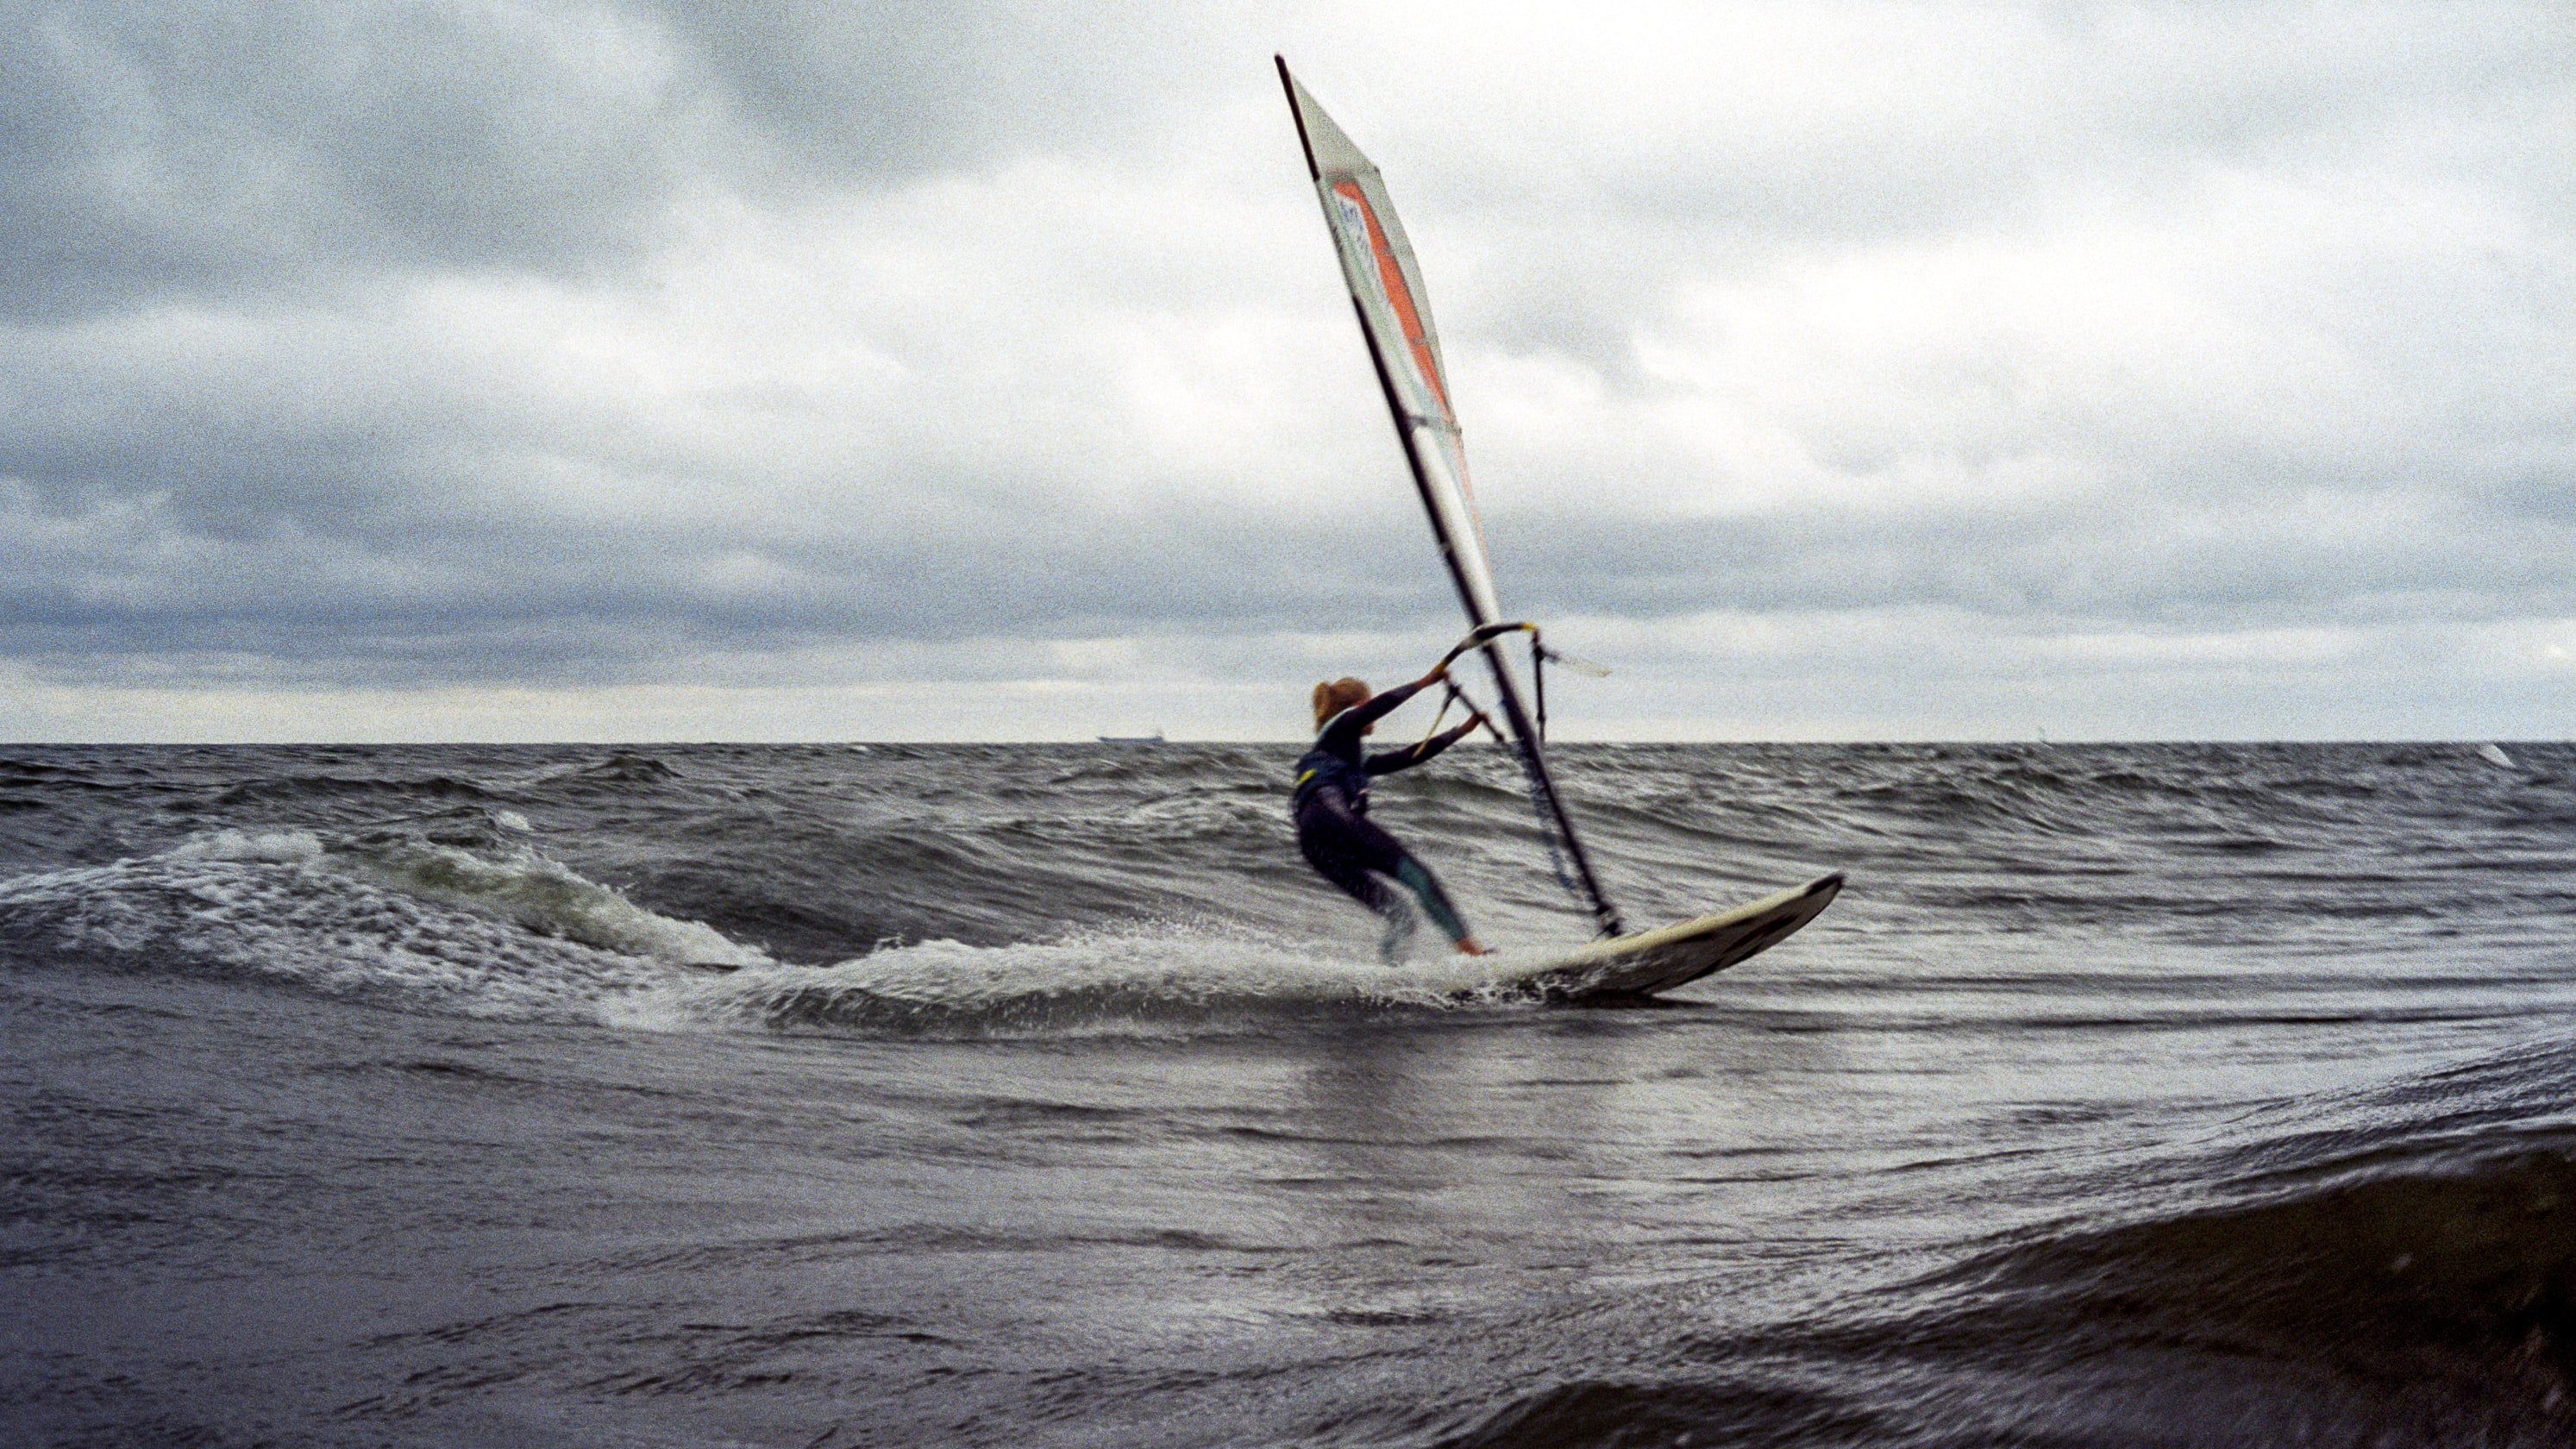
[(1467, 947)]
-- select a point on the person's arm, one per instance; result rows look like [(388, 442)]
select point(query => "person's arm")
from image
[(1387, 762), (1342, 732), (1379, 706)]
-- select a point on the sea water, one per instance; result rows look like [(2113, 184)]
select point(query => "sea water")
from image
[(806, 1096)]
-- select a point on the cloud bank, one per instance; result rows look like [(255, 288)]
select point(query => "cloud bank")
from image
[(640, 370)]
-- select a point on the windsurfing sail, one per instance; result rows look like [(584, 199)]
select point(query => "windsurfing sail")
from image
[(1395, 318)]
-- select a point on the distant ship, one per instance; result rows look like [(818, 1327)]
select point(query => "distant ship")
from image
[(1155, 738)]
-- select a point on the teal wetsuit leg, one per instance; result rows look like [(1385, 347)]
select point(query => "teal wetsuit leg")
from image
[(1352, 853), (1435, 901)]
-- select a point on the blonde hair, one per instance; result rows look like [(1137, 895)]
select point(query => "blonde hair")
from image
[(1331, 699)]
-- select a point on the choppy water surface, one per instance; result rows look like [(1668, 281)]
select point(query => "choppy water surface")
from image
[(2172, 1095)]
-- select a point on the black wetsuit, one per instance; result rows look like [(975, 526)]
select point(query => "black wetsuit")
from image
[(1333, 828)]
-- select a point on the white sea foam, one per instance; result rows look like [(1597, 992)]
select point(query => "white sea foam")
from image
[(1140, 976), (284, 846), (433, 926), (550, 898), (300, 923), (411, 924)]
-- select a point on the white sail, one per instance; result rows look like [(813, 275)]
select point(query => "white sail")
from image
[(1386, 282), (1395, 318)]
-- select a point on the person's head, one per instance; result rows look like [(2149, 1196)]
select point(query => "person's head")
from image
[(1331, 699)]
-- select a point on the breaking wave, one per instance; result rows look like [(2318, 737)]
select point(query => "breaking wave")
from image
[(415, 924), (408, 922), (1203, 977)]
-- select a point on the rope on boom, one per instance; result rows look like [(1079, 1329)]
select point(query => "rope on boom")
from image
[(1541, 791)]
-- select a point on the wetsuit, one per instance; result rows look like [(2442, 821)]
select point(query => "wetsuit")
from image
[(1339, 840)]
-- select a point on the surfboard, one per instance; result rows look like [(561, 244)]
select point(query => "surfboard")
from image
[(1675, 955)]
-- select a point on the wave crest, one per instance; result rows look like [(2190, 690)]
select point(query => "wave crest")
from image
[(413, 922), (406, 922), (1149, 976)]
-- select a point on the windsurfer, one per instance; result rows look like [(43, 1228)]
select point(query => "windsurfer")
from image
[(1331, 808)]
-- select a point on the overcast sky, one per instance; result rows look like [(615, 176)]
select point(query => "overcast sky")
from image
[(810, 370)]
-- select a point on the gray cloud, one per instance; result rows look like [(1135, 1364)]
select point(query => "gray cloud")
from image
[(585, 344), (881, 93), (161, 148), (210, 149)]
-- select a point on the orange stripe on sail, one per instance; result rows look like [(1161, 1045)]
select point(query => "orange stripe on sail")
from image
[(1399, 296)]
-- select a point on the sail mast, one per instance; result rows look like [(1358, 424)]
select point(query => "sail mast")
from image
[(1395, 320)]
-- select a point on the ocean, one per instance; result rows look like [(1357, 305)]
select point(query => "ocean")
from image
[(812, 1096)]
